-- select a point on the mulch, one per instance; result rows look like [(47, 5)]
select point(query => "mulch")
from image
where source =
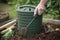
[(55, 35), (43, 36)]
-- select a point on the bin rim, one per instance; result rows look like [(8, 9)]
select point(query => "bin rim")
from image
[(18, 8)]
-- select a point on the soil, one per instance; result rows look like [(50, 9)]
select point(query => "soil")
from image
[(47, 35), (54, 35), (44, 36)]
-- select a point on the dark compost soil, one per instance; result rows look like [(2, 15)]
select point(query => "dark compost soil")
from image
[(55, 35)]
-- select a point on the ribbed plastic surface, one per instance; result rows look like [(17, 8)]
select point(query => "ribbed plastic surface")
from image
[(25, 15)]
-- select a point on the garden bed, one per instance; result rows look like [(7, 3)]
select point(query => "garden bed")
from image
[(44, 36), (48, 34), (54, 35)]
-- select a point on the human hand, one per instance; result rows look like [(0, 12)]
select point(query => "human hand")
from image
[(39, 9)]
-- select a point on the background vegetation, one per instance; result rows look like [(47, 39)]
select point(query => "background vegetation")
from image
[(52, 7)]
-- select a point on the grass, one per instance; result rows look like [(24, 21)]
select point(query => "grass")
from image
[(12, 12)]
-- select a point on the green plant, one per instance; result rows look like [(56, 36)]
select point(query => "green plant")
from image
[(52, 7), (8, 35)]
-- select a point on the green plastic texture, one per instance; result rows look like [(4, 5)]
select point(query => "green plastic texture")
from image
[(25, 15)]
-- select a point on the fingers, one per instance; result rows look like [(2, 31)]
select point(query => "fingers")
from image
[(40, 11), (35, 11)]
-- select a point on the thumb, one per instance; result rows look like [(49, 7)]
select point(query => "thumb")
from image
[(35, 11)]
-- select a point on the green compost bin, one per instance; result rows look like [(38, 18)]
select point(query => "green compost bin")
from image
[(25, 15)]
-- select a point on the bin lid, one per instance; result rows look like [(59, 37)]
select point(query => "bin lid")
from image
[(26, 8)]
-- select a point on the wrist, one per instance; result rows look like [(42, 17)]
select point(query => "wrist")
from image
[(43, 2), (42, 5)]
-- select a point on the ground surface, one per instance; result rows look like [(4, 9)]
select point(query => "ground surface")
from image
[(44, 36), (55, 35)]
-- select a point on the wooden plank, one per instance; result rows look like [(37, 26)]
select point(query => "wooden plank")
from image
[(51, 21), (8, 24), (45, 21), (5, 22), (6, 30)]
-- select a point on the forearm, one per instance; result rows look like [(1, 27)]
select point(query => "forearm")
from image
[(43, 2)]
